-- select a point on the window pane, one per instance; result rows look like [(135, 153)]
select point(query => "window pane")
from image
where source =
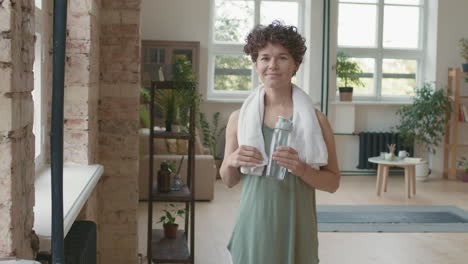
[(37, 96), (403, 2), (233, 73), (401, 27), (357, 25), (399, 77), (287, 12), (367, 78), (233, 20)]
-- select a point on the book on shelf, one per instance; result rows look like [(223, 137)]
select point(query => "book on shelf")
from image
[(461, 115), (465, 113)]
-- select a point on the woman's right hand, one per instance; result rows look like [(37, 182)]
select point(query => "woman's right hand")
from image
[(245, 156)]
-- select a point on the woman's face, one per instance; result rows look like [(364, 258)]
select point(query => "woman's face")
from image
[(275, 66)]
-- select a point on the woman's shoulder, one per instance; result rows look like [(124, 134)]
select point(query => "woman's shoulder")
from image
[(233, 119)]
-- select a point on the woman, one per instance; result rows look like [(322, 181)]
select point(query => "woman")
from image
[(277, 223)]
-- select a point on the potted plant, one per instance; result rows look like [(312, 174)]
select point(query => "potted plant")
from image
[(464, 53), (210, 137), (463, 164), (144, 108), (423, 122), (185, 97), (168, 220), (348, 73)]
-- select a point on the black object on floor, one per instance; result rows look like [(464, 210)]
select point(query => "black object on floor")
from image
[(80, 243)]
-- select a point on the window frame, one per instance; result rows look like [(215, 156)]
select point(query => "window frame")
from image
[(40, 15), (379, 53), (228, 48)]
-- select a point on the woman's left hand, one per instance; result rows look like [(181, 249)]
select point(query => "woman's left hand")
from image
[(288, 158)]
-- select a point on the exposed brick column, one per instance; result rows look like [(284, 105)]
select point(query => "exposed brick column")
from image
[(118, 129), (16, 137), (81, 82)]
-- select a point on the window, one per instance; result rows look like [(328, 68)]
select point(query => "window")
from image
[(230, 74), (37, 94), (386, 38)]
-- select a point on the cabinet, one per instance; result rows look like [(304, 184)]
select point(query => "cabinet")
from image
[(452, 129), (182, 248), (160, 54)]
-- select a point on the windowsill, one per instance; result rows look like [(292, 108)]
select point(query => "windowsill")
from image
[(379, 103), (79, 182)]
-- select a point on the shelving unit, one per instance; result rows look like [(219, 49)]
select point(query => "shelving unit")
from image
[(182, 248), (454, 79)]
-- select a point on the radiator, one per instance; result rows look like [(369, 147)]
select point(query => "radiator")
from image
[(80, 243), (372, 143)]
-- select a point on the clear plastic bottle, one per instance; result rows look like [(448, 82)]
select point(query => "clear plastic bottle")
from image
[(280, 137)]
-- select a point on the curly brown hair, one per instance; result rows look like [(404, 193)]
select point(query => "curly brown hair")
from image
[(275, 33)]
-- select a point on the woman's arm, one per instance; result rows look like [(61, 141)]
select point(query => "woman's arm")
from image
[(328, 177), (236, 156)]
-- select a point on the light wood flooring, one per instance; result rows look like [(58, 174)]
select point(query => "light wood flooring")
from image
[(215, 220)]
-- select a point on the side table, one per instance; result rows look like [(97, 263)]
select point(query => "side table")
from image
[(382, 174)]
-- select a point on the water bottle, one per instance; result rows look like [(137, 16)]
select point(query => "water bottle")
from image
[(280, 137)]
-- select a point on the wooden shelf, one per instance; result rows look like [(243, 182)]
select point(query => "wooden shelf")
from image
[(175, 135), (170, 250), (160, 249), (451, 145), (182, 195)]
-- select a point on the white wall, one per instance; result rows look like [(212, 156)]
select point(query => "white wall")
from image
[(451, 26)]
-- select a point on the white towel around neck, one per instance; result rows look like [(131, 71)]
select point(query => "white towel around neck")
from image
[(306, 136)]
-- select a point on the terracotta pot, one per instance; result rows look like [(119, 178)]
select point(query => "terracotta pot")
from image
[(170, 230), (218, 167), (346, 93), (464, 177)]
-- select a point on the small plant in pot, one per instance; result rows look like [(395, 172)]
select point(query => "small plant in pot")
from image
[(211, 133), (464, 53), (463, 164), (348, 73), (168, 220)]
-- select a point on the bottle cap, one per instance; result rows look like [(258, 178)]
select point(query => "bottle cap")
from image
[(284, 123)]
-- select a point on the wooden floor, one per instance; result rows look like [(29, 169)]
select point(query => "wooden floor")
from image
[(215, 220)]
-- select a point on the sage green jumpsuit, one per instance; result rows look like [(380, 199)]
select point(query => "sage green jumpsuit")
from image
[(276, 222)]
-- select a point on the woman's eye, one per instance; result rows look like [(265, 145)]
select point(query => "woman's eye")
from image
[(264, 59)]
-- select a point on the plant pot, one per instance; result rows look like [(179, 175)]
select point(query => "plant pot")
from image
[(465, 67), (464, 176), (170, 230), (422, 172), (346, 94), (218, 167)]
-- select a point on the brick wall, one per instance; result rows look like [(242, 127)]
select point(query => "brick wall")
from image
[(16, 138), (118, 129), (81, 81)]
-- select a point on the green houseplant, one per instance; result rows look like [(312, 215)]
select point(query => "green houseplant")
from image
[(210, 135), (464, 53), (423, 121), (174, 104), (348, 73), (185, 97), (169, 218)]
